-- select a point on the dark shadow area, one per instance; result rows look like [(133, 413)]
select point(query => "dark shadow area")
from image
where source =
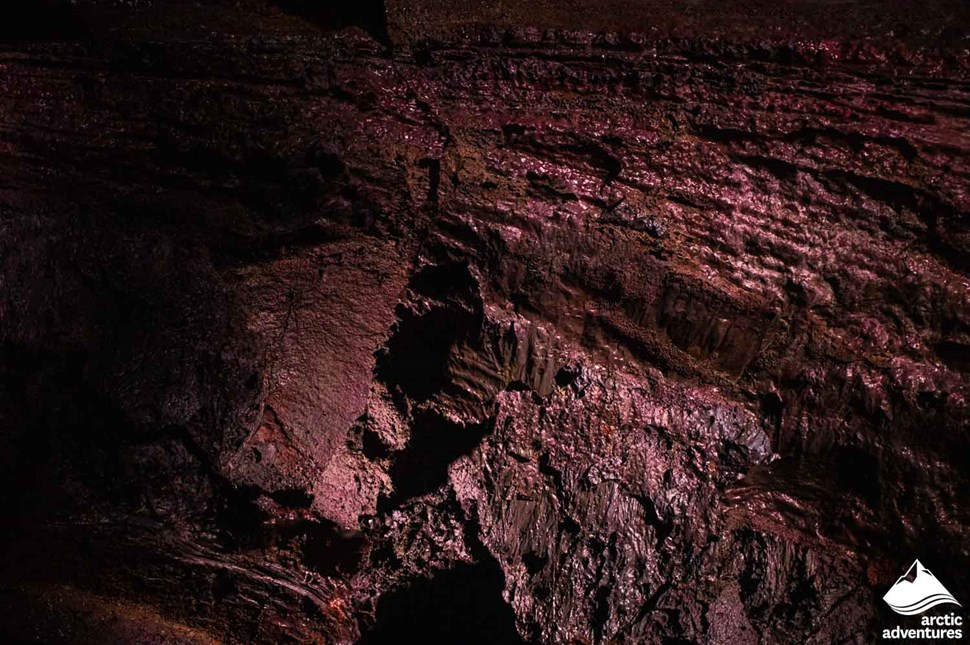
[(415, 360), (60, 437), (416, 357), (955, 355), (330, 551), (435, 444), (463, 605), (857, 471), (369, 15), (449, 281), (44, 20)]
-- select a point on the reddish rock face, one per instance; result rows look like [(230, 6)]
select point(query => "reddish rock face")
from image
[(620, 322)]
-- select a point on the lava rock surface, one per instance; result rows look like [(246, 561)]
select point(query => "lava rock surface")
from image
[(481, 322)]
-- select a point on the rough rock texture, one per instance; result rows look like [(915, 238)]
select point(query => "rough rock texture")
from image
[(614, 322)]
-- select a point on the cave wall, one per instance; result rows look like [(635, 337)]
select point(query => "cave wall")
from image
[(555, 323)]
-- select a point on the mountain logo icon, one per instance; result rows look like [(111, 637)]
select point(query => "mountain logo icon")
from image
[(917, 591)]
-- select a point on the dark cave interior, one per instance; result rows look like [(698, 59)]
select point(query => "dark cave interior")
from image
[(589, 321)]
